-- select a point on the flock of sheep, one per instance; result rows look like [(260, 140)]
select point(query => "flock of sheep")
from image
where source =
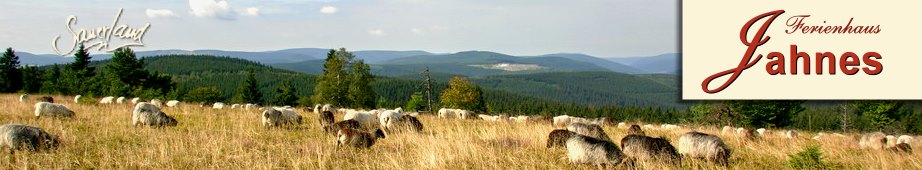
[(585, 140)]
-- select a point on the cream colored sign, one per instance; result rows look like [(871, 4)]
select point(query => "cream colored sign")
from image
[(826, 49), (100, 37)]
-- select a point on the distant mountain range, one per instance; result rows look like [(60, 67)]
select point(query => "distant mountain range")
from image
[(395, 63)]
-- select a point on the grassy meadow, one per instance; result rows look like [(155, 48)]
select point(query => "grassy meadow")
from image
[(101, 137)]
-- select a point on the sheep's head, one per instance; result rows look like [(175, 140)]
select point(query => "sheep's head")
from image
[(51, 141), (170, 121), (379, 133)]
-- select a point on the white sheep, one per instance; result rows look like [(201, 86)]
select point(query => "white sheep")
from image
[(23, 98), (120, 100), (235, 106), (217, 105), (891, 141), (464, 114), (521, 119), (250, 106), (135, 100), (367, 119), (727, 130), (106, 100), (705, 146), (588, 150), (876, 140), (156, 102), (22, 137), (52, 110), (562, 120), (389, 118), (790, 134), (318, 108), (591, 130), (446, 113), (623, 125), (148, 114), (172, 103), (77, 98), (904, 139), (273, 117), (328, 107), (762, 131), (670, 127)]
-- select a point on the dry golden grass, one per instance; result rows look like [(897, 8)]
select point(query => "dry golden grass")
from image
[(102, 137)]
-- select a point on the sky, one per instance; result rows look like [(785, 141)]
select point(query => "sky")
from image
[(605, 28)]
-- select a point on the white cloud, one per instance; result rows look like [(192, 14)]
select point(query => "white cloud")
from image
[(211, 9), (251, 11), (416, 30), (328, 10), (159, 13), (376, 32)]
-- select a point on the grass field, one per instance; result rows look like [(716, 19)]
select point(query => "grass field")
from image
[(101, 137)]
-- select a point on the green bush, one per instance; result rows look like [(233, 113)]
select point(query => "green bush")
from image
[(809, 158)]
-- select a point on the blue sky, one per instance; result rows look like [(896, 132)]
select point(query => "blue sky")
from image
[(607, 28)]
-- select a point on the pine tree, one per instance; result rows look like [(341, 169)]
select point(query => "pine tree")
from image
[(361, 95), (31, 79), (52, 77), (332, 86), (126, 67), (248, 92), (416, 102), (287, 95), (10, 75), (78, 74), (81, 63)]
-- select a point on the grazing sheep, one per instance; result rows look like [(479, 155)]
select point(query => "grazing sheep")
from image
[(52, 110), (389, 118), (156, 102), (562, 120), (790, 134), (761, 131), (639, 148), (558, 137), (901, 147), (635, 130), (520, 119), (357, 138), (819, 136), (589, 150), (540, 119), (235, 106), (250, 106), (345, 124), (367, 119), (727, 130), (317, 108), (217, 105), (407, 123), (77, 98), (48, 99), (172, 103), (649, 126), (623, 125), (326, 119), (328, 107), (120, 100), (148, 114), (876, 140), (274, 117), (591, 130), (135, 100), (747, 134), (22, 137), (670, 127), (106, 100), (904, 139), (704, 146), (23, 98), (446, 113), (891, 140), (464, 114)]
